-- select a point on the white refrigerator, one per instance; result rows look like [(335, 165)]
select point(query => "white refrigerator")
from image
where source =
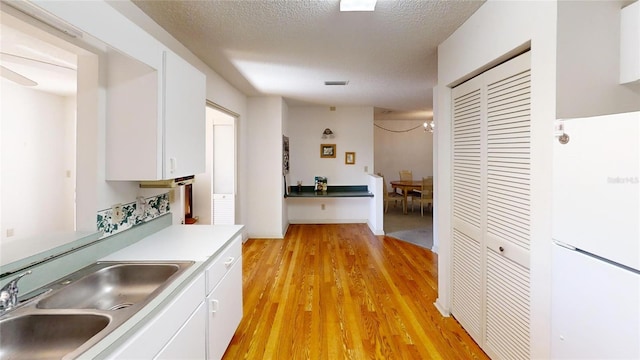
[(596, 238)]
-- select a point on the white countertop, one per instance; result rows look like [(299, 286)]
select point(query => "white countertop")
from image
[(179, 242), (199, 243)]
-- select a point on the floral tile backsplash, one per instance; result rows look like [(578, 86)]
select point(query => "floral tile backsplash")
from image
[(153, 207)]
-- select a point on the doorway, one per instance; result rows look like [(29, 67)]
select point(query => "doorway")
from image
[(215, 190), (401, 144)]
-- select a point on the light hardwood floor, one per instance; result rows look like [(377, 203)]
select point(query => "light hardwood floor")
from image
[(339, 292)]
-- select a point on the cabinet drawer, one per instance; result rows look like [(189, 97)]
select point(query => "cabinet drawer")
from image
[(223, 262)]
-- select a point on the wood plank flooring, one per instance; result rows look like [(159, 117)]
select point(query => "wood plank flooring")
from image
[(339, 292)]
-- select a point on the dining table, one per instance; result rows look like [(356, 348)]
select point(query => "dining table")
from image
[(406, 186)]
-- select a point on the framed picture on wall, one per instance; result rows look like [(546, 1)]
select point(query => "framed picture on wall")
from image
[(328, 150), (349, 158)]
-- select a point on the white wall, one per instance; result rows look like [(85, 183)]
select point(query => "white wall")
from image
[(70, 157), (336, 210), (496, 29), (589, 35), (376, 204), (395, 151), (265, 184), (38, 148), (202, 187), (353, 129)]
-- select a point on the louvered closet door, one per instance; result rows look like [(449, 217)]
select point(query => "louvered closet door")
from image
[(467, 184), (508, 195), (491, 194)]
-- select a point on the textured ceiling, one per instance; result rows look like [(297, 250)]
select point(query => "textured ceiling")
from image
[(289, 48)]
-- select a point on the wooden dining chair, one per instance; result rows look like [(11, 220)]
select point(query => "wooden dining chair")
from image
[(407, 175), (390, 195), (426, 194)]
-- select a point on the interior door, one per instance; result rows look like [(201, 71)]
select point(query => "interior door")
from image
[(219, 179), (224, 169)]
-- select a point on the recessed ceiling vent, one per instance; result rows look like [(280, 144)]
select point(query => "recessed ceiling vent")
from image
[(336, 83)]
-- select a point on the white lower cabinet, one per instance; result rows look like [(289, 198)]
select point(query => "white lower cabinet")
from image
[(152, 338), (189, 340), (225, 311), (200, 321)]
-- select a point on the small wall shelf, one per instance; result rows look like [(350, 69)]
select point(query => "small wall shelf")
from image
[(339, 191)]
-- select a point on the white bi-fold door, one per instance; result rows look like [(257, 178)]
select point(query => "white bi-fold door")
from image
[(491, 208)]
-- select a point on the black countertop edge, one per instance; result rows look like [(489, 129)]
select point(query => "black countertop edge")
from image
[(332, 191)]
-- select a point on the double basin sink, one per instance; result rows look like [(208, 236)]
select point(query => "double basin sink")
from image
[(67, 317)]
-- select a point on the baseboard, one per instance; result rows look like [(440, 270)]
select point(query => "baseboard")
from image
[(378, 232), (265, 236), (327, 221), (443, 310)]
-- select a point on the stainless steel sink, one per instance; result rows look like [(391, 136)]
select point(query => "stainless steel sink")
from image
[(49, 336), (68, 316), (110, 286)]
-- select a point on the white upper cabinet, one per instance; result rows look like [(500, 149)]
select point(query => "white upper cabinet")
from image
[(630, 43), (184, 118), (155, 118)]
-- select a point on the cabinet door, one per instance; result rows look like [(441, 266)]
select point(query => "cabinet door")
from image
[(148, 341), (225, 312), (184, 106), (133, 137), (189, 341), (156, 119)]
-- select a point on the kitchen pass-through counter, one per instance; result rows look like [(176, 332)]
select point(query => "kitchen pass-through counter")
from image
[(198, 313)]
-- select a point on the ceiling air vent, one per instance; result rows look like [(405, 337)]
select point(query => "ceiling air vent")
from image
[(339, 83)]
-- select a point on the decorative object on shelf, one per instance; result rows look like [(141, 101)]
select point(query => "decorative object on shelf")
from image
[(328, 150), (299, 186), (350, 158), (320, 183), (285, 154), (429, 126), (327, 133)]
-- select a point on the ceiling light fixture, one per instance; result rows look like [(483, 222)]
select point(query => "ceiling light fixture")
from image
[(429, 126), (357, 5)]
